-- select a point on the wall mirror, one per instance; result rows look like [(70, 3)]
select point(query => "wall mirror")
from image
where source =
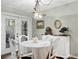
[(57, 24)]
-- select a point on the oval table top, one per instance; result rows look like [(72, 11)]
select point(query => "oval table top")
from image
[(38, 44)]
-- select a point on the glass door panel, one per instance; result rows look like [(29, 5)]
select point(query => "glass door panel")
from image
[(24, 28), (10, 30)]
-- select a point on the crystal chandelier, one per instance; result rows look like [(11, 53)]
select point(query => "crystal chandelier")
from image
[(37, 13)]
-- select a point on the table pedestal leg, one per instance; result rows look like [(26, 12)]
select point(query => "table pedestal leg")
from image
[(36, 54)]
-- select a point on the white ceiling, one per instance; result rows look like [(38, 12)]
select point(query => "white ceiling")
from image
[(25, 7)]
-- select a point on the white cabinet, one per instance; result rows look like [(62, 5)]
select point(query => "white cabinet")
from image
[(14, 26), (62, 46)]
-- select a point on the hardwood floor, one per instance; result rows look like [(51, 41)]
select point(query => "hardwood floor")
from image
[(26, 58), (63, 58), (72, 58), (8, 56)]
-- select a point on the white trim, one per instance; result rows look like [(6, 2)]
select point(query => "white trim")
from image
[(74, 56), (15, 15)]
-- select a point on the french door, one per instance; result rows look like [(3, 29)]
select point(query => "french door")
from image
[(13, 27)]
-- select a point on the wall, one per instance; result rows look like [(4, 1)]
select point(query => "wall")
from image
[(68, 16), (71, 21), (67, 9)]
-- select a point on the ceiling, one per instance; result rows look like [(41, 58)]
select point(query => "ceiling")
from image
[(25, 7)]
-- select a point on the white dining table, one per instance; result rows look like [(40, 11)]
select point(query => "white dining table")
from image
[(40, 48)]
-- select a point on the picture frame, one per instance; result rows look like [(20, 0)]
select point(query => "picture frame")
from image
[(39, 24), (57, 24)]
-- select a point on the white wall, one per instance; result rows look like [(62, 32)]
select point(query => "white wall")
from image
[(71, 21), (68, 16), (67, 9)]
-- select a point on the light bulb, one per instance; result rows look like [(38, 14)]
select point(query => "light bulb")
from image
[(37, 16)]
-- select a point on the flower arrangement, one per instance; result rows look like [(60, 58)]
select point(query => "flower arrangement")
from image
[(63, 30)]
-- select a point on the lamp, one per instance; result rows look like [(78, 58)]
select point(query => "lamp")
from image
[(37, 13)]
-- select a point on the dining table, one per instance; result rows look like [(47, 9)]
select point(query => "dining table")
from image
[(39, 48)]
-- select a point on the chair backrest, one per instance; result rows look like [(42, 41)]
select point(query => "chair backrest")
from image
[(22, 49), (23, 38), (47, 37)]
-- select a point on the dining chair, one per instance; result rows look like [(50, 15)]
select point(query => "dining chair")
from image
[(13, 48), (48, 38), (23, 51), (53, 46)]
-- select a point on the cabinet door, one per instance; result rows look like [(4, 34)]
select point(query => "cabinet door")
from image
[(59, 47), (62, 46), (67, 46)]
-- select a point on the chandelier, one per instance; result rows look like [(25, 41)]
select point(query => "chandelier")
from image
[(37, 13)]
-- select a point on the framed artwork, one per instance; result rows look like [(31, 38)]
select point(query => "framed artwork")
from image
[(57, 24), (39, 24)]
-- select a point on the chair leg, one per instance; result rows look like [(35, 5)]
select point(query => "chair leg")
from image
[(17, 57), (59, 57)]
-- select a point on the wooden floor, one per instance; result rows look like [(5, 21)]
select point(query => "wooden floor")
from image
[(26, 58), (72, 58), (63, 58), (8, 56)]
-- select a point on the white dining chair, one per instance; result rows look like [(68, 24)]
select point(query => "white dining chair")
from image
[(53, 45), (48, 38), (23, 51), (13, 48)]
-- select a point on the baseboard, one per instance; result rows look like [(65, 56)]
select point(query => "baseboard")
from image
[(74, 56)]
